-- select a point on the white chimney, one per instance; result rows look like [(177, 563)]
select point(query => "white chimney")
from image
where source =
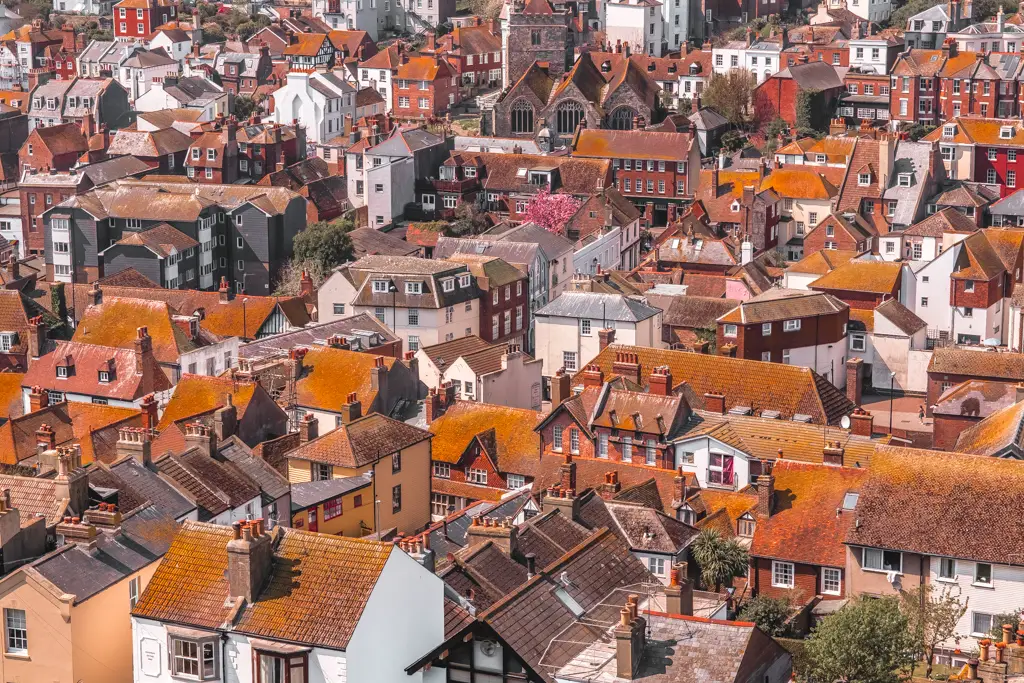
[(747, 252)]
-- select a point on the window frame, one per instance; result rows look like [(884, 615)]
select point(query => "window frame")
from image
[(778, 565), (983, 584), (825, 580), (882, 552)]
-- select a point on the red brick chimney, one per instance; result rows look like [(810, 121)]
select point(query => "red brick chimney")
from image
[(36, 338), (659, 382), (561, 388), (567, 473), (432, 408), (306, 285), (351, 410), (144, 361), (627, 364), (148, 406), (605, 337), (46, 437), (308, 428), (714, 403), (765, 492), (37, 399), (863, 422), (250, 560), (854, 380), (225, 291), (593, 376), (611, 486), (679, 592)]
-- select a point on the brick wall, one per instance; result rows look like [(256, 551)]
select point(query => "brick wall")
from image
[(751, 342), (985, 294), (806, 582), (948, 427)]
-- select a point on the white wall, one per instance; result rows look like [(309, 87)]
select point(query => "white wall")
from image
[(702, 447), (556, 335), (336, 290), (1005, 594), (216, 351), (933, 284), (605, 249), (798, 280), (828, 360), (240, 513)]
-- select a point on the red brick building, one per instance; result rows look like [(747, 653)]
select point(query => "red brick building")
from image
[(849, 232), (474, 51), (967, 85), (914, 91), (139, 18), (505, 308), (424, 87), (798, 550), (779, 93), (213, 155), (993, 148), (626, 426), (951, 366), (53, 147), (772, 325), (657, 171)]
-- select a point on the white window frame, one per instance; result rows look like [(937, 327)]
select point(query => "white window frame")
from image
[(831, 575), (791, 325), (881, 559), (941, 574), (779, 574)]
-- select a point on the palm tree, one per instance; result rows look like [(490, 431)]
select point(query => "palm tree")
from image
[(720, 560)]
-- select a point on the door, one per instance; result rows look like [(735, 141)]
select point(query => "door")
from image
[(428, 202), (312, 525)]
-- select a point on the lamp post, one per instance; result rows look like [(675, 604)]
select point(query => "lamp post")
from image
[(394, 313), (245, 300), (892, 382)]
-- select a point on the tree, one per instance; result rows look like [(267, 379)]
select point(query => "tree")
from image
[(244, 106), (730, 95), (59, 302), (552, 211), (720, 560), (1008, 618), (468, 220), (212, 33), (932, 613), (868, 641), (770, 614), (289, 277), (326, 244)]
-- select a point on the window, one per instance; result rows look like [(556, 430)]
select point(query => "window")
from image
[(947, 569), (332, 508), (863, 179), (339, 309), (990, 176), (396, 462), (556, 439), (476, 476), (191, 659), (982, 574), (602, 445), (791, 325), (730, 331), (442, 470), (968, 285), (17, 631), (858, 342), (782, 574), (981, 623), (831, 580), (396, 499), (627, 448), (656, 565), (569, 360), (275, 668), (133, 592), (1011, 179), (879, 560), (574, 440), (585, 328), (321, 471), (766, 329)]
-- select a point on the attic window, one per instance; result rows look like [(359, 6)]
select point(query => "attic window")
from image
[(1006, 132), (521, 173), (448, 284), (570, 604), (949, 131), (850, 500), (380, 286), (211, 154), (903, 180), (820, 158), (470, 171), (734, 207), (464, 280), (104, 376), (62, 371), (864, 179), (413, 287), (8, 340), (694, 69)]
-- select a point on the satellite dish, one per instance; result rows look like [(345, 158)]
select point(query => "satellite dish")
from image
[(845, 422)]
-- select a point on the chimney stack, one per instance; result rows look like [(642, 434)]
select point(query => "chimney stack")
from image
[(103, 516), (225, 419), (351, 410), (659, 382), (611, 486), (144, 361), (72, 482), (627, 364), (148, 407), (37, 399), (200, 436), (95, 294), (225, 291), (502, 533), (679, 592), (863, 422), (432, 405), (135, 442), (593, 376), (306, 285), (714, 403), (561, 388), (308, 428), (629, 640), (605, 337), (250, 560), (854, 380), (36, 338), (564, 495), (765, 492)]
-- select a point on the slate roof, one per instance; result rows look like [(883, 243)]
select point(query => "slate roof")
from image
[(370, 241), (216, 485), (311, 493), (485, 572), (612, 307), (271, 484), (975, 398), (157, 490), (190, 586), (941, 222), (912, 158), (82, 571), (162, 240), (361, 442), (363, 332), (645, 529), (904, 481)]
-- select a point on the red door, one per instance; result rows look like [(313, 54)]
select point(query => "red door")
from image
[(312, 519)]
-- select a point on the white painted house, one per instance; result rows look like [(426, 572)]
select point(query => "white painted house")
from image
[(320, 100), (637, 23), (487, 373), (569, 328), (215, 609)]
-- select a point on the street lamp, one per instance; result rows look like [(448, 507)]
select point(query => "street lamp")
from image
[(245, 300), (892, 382), (394, 296)]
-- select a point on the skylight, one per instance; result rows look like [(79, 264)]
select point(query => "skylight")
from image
[(569, 602), (850, 500)]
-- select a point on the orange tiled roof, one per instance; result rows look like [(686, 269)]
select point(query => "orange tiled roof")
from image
[(806, 528), (115, 322), (333, 374), (190, 587), (516, 443), (195, 394), (306, 45), (821, 262), (423, 68), (801, 182), (995, 434), (878, 277), (980, 131), (629, 144), (361, 442)]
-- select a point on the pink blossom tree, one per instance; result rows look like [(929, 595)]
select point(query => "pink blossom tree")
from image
[(552, 211)]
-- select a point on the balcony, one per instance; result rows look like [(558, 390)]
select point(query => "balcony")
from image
[(459, 186)]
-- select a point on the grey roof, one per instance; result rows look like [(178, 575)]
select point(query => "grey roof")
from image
[(595, 306), (708, 119), (372, 241), (900, 316), (158, 491), (813, 76), (104, 172), (188, 90), (95, 50), (511, 252), (912, 158), (142, 59), (937, 13), (86, 87), (272, 485), (449, 536), (551, 244), (467, 143), (406, 142), (1012, 205), (363, 332), (82, 571), (310, 493)]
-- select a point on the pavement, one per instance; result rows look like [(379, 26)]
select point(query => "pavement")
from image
[(904, 412)]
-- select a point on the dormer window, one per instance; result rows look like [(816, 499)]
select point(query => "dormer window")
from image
[(864, 179), (470, 171), (380, 286), (104, 376), (735, 207), (903, 180), (448, 284), (211, 154), (464, 280), (413, 287), (819, 158), (745, 526), (62, 371), (949, 131), (1006, 133), (539, 178), (8, 340)]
